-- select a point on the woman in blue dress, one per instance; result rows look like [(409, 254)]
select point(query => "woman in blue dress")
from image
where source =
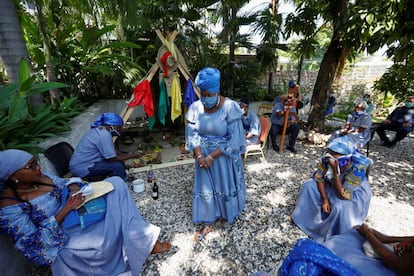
[(338, 194), (33, 211), (214, 132)]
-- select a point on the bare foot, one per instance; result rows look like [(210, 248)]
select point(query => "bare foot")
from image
[(161, 247), (199, 235)]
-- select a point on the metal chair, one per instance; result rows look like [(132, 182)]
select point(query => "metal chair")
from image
[(256, 149), (60, 155)]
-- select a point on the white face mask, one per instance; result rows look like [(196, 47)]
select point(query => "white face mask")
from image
[(113, 131)]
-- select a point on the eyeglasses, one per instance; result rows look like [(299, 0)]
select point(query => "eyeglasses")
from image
[(31, 166)]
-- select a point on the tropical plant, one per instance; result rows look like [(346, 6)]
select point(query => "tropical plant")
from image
[(22, 125)]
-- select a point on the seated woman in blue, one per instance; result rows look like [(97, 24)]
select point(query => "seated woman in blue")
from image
[(338, 195), (374, 253), (251, 123), (95, 157), (357, 126), (33, 212)]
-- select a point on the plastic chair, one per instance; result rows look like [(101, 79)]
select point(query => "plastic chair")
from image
[(263, 137), (60, 154)]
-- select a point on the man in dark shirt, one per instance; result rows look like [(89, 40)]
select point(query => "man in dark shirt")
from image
[(401, 120)]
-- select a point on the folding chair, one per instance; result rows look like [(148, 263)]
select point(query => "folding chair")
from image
[(264, 133), (60, 155)]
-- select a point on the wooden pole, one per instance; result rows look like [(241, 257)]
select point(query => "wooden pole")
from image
[(285, 123)]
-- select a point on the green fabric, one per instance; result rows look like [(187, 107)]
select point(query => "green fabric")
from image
[(163, 103)]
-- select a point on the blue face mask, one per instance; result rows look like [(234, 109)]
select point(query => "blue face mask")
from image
[(209, 102), (409, 104), (358, 113), (113, 131), (342, 160)]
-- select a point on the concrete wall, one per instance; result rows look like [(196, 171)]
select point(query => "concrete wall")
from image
[(11, 261)]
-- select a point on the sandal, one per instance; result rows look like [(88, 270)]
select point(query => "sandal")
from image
[(199, 235), (161, 247)]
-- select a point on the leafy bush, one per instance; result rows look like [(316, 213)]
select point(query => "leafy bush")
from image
[(22, 125)]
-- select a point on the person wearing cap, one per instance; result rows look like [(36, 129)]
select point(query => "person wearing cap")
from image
[(251, 123), (401, 121), (95, 156), (338, 194), (35, 207), (357, 126), (293, 93), (371, 106), (277, 119), (214, 132)]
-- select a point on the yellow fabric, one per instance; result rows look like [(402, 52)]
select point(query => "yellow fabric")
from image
[(176, 99)]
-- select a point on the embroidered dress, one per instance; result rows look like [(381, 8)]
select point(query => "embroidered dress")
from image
[(219, 191), (118, 244), (345, 213)]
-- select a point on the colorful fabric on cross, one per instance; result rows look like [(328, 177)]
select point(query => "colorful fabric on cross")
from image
[(143, 96), (163, 103), (176, 99), (310, 258), (189, 95)]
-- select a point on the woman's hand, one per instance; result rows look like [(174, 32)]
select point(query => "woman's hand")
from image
[(74, 202), (363, 230), (333, 163), (326, 206), (403, 247), (205, 162)]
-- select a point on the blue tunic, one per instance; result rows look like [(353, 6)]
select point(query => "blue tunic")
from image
[(95, 146), (348, 246), (251, 124), (118, 244), (219, 191), (345, 213)]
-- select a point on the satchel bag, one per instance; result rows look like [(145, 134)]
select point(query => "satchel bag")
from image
[(92, 210)]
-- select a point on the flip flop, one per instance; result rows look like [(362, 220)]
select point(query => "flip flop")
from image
[(199, 235), (161, 247)]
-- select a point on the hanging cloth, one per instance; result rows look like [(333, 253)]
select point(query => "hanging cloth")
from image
[(163, 102), (189, 95), (166, 62), (143, 96), (175, 99)]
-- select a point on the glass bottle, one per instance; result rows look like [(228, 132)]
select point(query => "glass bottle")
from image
[(155, 189), (150, 175)]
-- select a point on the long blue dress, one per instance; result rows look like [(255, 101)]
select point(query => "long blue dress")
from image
[(348, 246), (119, 244), (219, 191), (345, 213)]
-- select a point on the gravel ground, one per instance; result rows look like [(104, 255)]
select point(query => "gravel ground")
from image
[(262, 236)]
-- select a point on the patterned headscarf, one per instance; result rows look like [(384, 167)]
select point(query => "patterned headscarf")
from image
[(108, 118), (208, 79), (342, 145), (12, 160)]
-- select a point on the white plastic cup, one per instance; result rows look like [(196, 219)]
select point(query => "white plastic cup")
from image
[(138, 185)]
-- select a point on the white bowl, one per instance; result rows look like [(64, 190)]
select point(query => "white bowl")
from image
[(138, 185)]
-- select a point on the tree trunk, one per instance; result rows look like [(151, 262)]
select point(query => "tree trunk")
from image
[(12, 45), (232, 44), (300, 67), (50, 68), (323, 83), (270, 83)]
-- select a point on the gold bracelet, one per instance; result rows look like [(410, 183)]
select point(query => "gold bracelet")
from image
[(200, 156)]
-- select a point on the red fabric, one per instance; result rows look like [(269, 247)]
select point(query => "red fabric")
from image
[(143, 96), (164, 62)]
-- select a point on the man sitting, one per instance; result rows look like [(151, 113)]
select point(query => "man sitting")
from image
[(251, 123), (401, 120), (278, 114)]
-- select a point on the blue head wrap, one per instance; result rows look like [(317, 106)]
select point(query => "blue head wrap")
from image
[(291, 83), (342, 145), (108, 118), (208, 79), (12, 160)]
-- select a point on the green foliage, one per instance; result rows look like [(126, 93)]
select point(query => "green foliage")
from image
[(21, 125)]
